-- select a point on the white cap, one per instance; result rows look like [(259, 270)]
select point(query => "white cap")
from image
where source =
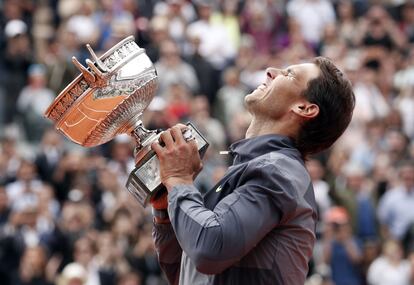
[(74, 270), (14, 28), (123, 138), (353, 169), (157, 104)]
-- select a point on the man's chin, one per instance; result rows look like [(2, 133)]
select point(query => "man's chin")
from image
[(249, 102), (251, 98)]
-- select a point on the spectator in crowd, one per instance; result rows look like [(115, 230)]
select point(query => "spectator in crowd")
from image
[(404, 102), (365, 156), (33, 102), (211, 36), (157, 33), (395, 207), (18, 236), (144, 257), (312, 16), (341, 249), (367, 92), (321, 187), (203, 69), (32, 268), (82, 26), (120, 161), (10, 159), (347, 24), (262, 21), (230, 97), (174, 70), (357, 199), (227, 17), (179, 14), (76, 218), (106, 19), (390, 267), (378, 30), (26, 186), (210, 127), (331, 45), (51, 151), (57, 60), (15, 61), (156, 116), (178, 101), (85, 253), (396, 144), (294, 46)]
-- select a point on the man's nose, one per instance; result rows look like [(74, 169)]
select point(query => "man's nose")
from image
[(272, 72)]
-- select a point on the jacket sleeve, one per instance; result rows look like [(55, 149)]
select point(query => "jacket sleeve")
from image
[(214, 240), (168, 250)]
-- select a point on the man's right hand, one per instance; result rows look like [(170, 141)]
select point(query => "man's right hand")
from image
[(179, 158)]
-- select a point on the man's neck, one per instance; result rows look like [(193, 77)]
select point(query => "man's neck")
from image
[(261, 126)]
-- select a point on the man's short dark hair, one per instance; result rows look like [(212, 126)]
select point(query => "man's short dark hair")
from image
[(333, 93)]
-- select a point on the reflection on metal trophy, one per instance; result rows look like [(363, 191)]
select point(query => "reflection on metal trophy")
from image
[(108, 98)]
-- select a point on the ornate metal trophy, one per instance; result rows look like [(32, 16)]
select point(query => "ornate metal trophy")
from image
[(108, 98)]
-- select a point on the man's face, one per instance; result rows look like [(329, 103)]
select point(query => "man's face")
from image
[(282, 89), (407, 176)]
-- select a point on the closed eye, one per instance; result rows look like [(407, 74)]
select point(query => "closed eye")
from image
[(290, 72)]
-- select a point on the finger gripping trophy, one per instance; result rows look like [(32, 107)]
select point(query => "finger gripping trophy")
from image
[(108, 98)]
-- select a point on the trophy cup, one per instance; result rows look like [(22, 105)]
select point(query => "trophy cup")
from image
[(108, 98)]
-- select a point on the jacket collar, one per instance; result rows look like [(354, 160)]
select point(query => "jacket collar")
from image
[(248, 149)]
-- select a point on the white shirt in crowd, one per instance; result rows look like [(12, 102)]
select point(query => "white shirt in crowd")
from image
[(383, 272), (312, 16), (38, 100), (212, 37), (369, 103)]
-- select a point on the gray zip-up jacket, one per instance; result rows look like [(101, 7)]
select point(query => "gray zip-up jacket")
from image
[(256, 226)]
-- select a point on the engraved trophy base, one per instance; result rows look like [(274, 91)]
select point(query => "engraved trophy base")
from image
[(144, 181)]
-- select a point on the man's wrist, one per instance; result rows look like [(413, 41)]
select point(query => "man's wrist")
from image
[(170, 183), (160, 216)]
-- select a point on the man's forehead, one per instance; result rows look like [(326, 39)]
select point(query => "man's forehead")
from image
[(307, 66), (306, 71)]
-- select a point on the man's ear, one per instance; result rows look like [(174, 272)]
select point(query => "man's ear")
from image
[(306, 110)]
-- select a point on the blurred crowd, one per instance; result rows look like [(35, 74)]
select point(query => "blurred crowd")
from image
[(65, 217)]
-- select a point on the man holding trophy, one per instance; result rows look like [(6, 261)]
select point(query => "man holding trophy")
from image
[(256, 226)]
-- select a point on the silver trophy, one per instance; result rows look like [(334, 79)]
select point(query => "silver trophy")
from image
[(108, 98)]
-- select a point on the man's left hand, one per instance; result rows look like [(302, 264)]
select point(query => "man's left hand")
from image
[(179, 159)]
